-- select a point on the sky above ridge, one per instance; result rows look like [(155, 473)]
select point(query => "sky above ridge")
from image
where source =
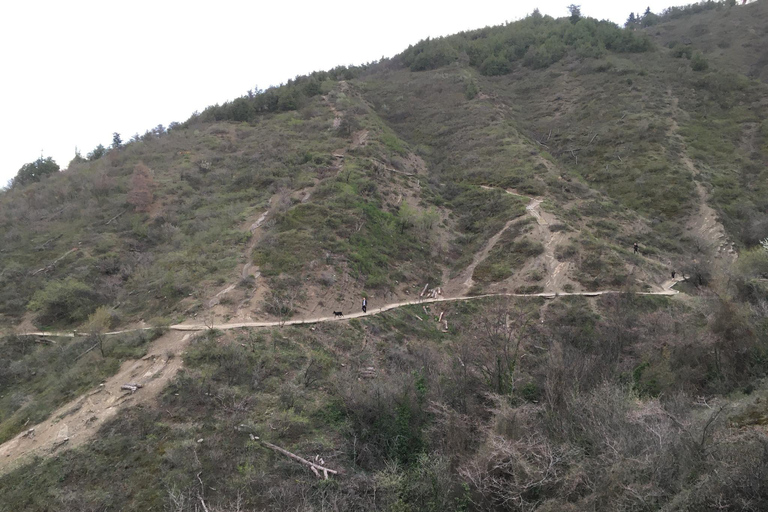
[(75, 72)]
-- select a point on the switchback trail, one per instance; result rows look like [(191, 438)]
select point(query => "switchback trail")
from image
[(667, 291)]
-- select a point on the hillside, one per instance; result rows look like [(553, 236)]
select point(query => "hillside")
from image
[(483, 192), (734, 38)]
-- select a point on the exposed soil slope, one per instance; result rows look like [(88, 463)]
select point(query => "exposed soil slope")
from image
[(78, 421)]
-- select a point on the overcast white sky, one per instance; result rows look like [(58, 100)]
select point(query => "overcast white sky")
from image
[(75, 71)]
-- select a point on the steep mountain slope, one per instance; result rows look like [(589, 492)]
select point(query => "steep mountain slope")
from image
[(523, 158)]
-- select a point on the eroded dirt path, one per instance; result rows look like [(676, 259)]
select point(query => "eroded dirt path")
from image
[(373, 310), (462, 283), (78, 421), (704, 224), (556, 271)]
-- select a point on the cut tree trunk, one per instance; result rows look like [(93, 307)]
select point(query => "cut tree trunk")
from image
[(316, 468)]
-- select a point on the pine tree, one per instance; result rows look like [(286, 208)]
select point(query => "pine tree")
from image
[(98, 152), (35, 171)]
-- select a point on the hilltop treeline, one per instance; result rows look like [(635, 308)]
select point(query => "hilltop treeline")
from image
[(537, 42), (286, 97), (671, 13)]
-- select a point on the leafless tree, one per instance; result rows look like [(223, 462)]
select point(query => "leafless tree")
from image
[(500, 334), (282, 299)]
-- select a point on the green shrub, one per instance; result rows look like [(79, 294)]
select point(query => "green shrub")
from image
[(566, 251), (429, 54), (698, 62), (753, 263), (64, 302), (495, 65), (471, 90)]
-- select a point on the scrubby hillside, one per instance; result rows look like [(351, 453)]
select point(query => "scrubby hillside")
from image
[(525, 159), (734, 38)]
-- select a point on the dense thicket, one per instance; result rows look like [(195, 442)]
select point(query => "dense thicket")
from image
[(536, 41), (287, 97)]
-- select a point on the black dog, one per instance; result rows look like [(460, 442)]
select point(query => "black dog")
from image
[(338, 313)]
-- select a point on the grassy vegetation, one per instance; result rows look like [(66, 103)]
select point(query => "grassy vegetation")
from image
[(728, 146), (724, 33), (146, 262), (208, 180)]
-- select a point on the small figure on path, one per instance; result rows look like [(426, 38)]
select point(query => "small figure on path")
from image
[(365, 304), (673, 274), (636, 247)]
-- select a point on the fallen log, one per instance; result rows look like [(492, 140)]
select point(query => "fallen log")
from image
[(132, 387), (45, 244), (54, 214), (57, 444), (424, 290), (114, 218), (368, 373), (52, 265), (316, 468), (93, 347)]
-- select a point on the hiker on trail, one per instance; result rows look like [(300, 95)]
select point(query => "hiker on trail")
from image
[(636, 247), (365, 304), (673, 274)]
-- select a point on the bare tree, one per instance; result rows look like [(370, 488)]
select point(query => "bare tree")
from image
[(282, 299), (500, 335), (98, 323)]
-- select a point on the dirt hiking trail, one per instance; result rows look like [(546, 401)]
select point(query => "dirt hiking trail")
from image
[(76, 422), (704, 224), (556, 271)]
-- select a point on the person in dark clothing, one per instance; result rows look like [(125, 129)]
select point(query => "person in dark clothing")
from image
[(673, 274), (636, 247), (365, 304)]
